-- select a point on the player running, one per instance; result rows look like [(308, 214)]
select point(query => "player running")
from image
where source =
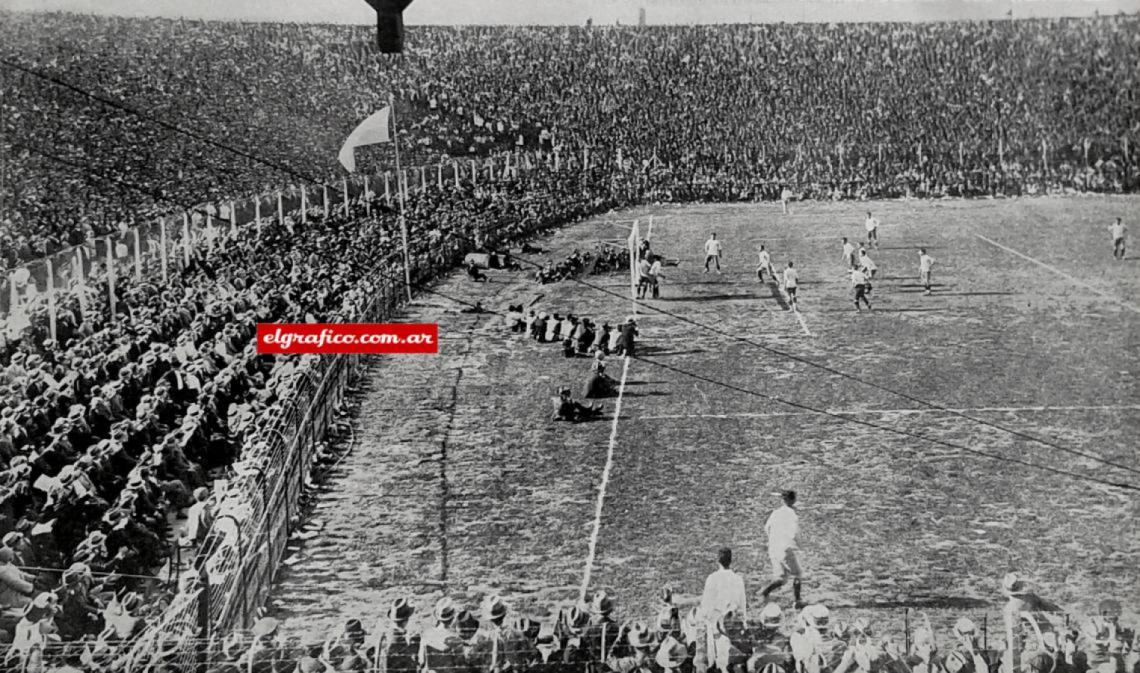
[(765, 265), (867, 264), (1117, 229), (783, 529), (712, 253), (925, 264), (790, 283), (872, 226), (848, 254), (860, 284)]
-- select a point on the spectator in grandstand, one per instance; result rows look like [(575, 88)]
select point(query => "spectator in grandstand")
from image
[(15, 587)]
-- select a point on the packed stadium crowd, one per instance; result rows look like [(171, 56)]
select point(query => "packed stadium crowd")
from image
[(114, 432), (109, 121)]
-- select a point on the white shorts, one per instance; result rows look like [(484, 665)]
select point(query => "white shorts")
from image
[(785, 564)]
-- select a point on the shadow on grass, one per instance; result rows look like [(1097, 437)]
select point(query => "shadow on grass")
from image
[(643, 351), (910, 310), (655, 393), (934, 603), (699, 282), (711, 297)]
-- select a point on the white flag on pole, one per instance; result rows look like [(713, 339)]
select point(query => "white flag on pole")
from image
[(372, 130)]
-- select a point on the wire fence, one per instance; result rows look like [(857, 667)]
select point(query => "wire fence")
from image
[(49, 298)]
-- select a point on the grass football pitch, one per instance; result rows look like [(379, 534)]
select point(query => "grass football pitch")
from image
[(937, 442)]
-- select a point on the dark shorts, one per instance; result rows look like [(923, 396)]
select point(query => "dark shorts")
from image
[(860, 292), (873, 235), (791, 291)]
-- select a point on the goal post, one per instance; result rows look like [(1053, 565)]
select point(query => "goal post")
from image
[(634, 245)]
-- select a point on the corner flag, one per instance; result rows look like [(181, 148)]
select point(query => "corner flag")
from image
[(372, 130)]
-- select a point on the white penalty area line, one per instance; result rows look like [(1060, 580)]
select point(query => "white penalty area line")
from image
[(800, 317), (794, 308), (901, 412), (1117, 300), (593, 547)]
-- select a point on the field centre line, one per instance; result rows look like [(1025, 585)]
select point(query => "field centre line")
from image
[(593, 547), (909, 412), (1105, 295)]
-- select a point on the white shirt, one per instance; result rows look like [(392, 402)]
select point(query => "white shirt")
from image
[(783, 526), (848, 250), (724, 592), (925, 262), (858, 277), (712, 247), (789, 277), (765, 258), (865, 260), (1117, 229), (655, 269), (871, 224)]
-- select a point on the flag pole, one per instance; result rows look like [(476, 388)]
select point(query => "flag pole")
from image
[(403, 206)]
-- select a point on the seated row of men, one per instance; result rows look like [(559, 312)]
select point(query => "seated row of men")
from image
[(588, 637), (578, 336)]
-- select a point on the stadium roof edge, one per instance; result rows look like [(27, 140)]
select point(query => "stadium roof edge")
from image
[(604, 14)]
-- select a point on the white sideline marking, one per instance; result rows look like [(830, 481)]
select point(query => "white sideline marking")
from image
[(602, 487), (1090, 288), (908, 412)]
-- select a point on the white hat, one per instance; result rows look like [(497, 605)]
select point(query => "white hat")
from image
[(771, 615), (816, 615)]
